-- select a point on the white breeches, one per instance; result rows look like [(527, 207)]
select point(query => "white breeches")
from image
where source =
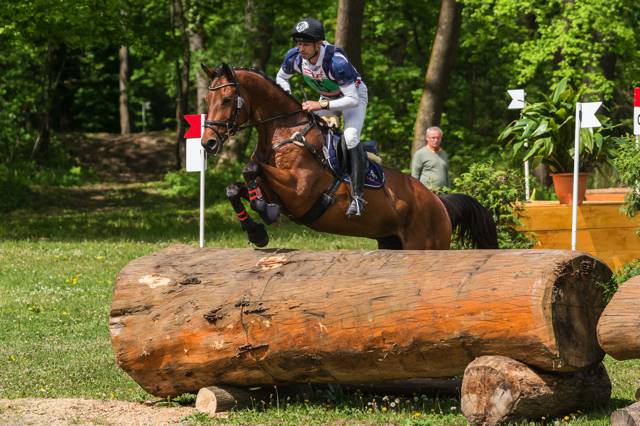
[(353, 118)]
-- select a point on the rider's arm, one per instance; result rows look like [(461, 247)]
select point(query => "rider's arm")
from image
[(348, 100), (283, 80), (287, 69)]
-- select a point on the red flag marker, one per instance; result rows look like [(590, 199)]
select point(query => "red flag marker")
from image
[(636, 97), (194, 121)]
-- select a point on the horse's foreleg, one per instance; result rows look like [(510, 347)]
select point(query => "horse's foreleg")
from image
[(268, 211), (256, 232)]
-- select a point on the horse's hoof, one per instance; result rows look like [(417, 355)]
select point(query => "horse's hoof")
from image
[(259, 236), (258, 205), (271, 213)]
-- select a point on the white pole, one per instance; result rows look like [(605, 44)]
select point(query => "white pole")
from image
[(527, 191), (576, 167), (202, 174)]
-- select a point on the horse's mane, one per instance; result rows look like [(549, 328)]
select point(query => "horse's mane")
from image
[(269, 79)]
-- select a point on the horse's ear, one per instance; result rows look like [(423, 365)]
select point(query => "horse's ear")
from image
[(228, 71), (210, 72)]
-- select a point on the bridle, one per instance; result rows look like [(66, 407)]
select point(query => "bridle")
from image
[(230, 126)]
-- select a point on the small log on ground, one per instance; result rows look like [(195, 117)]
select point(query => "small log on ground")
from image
[(497, 389), (214, 399), (185, 318), (628, 416), (618, 330)]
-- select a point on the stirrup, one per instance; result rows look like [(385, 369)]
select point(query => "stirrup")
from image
[(357, 206)]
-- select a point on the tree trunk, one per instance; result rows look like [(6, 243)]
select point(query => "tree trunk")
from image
[(259, 17), (41, 145), (182, 79), (185, 318), (125, 127), (628, 416), (497, 389), (196, 41), (349, 30), (437, 75), (618, 331)]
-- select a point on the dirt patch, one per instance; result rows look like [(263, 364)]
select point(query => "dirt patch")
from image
[(75, 411), (138, 157)]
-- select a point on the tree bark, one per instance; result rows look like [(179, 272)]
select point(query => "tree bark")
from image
[(438, 70), (185, 318), (182, 79), (196, 41), (125, 127), (349, 30), (497, 389), (259, 18), (618, 331)]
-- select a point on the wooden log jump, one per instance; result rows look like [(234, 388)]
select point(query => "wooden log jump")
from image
[(186, 318), (618, 331)]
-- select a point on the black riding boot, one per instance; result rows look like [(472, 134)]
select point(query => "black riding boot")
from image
[(358, 160)]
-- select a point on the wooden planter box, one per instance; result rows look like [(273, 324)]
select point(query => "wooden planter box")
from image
[(603, 230)]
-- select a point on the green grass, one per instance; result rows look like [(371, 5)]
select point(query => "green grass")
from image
[(59, 256)]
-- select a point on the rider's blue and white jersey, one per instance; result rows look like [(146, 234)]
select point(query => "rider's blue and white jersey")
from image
[(332, 76)]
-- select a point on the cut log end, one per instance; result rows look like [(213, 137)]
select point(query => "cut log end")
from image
[(497, 389), (628, 416), (575, 321)]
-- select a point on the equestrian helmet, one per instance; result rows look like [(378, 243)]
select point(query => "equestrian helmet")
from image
[(308, 29)]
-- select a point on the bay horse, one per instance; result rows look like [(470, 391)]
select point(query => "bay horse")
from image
[(288, 171)]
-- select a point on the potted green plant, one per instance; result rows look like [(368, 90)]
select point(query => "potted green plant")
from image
[(545, 134)]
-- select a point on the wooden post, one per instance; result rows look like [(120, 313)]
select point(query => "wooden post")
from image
[(497, 389), (186, 318)]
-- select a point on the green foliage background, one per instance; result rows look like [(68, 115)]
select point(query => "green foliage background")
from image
[(503, 44)]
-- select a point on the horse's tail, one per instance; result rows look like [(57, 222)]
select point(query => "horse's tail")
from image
[(472, 220)]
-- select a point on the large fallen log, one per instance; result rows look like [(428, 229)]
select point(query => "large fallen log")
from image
[(497, 389), (618, 331), (187, 318)]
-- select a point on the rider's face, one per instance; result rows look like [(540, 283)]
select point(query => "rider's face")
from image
[(308, 49)]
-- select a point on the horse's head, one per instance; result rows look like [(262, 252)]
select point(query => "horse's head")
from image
[(225, 112)]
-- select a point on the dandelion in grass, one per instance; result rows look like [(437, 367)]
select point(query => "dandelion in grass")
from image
[(383, 409), (417, 414)]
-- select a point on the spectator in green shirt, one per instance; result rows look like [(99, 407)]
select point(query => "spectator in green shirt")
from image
[(430, 164)]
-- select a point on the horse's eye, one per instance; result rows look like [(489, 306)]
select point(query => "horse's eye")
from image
[(226, 100)]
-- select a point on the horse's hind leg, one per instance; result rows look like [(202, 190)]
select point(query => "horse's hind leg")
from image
[(392, 242), (269, 212), (256, 232)]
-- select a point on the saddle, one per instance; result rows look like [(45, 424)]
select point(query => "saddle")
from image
[(337, 155)]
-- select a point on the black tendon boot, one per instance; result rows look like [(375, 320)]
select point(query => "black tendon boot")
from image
[(358, 168)]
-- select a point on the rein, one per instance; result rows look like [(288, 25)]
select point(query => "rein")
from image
[(230, 125)]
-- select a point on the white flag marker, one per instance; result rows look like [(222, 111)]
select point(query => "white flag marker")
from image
[(517, 102), (589, 118), (517, 98), (585, 118), (197, 158)]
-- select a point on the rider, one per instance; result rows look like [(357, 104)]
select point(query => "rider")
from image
[(328, 71)]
